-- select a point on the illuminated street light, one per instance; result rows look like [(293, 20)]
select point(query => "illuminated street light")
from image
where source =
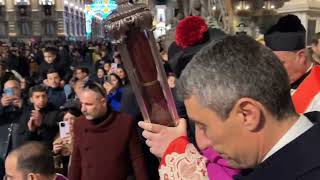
[(243, 6)]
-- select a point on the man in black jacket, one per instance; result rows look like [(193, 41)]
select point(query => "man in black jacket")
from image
[(12, 108), (56, 93), (39, 123)]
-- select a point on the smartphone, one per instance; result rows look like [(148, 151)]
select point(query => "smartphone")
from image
[(8, 91), (106, 78), (114, 67), (64, 129)]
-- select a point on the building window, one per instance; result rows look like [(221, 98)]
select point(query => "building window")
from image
[(72, 27), (22, 10), (47, 10), (3, 29), (25, 28), (78, 29), (49, 27), (67, 27), (66, 11)]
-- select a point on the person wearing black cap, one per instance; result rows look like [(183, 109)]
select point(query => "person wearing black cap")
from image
[(287, 39), (191, 35)]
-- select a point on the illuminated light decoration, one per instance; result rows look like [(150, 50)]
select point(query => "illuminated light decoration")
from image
[(46, 2), (268, 5), (2, 2), (22, 2), (243, 6), (99, 9)]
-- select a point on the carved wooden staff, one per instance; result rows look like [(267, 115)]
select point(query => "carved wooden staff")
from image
[(130, 25)]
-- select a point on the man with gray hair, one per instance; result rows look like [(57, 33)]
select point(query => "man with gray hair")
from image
[(238, 94), (106, 144)]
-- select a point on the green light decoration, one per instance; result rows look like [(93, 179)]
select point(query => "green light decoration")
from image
[(99, 9)]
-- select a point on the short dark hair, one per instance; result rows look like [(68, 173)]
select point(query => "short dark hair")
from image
[(37, 88), (83, 69), (51, 50), (35, 157), (315, 39), (53, 70), (225, 71)]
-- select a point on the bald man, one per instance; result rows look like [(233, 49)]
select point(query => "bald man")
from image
[(12, 108), (30, 161)]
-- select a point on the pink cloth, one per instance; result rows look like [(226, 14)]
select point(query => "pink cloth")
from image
[(217, 167), (60, 177)]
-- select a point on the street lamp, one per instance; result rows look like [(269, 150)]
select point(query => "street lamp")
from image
[(46, 2), (243, 6), (268, 5)]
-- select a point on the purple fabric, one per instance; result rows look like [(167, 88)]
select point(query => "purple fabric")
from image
[(217, 167), (60, 177)]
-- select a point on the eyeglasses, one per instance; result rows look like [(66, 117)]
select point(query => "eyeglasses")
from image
[(96, 87)]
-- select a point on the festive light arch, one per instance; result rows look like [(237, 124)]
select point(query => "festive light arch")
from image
[(99, 9)]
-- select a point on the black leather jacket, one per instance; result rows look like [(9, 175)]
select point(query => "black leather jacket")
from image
[(9, 123)]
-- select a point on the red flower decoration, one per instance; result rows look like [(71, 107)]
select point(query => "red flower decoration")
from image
[(190, 31)]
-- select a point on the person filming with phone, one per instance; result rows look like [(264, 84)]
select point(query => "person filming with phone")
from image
[(62, 146), (12, 108), (114, 90)]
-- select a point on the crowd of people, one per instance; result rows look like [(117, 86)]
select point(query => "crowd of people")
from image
[(68, 110), (40, 87)]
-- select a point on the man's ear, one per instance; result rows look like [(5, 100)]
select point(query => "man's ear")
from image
[(103, 100), (313, 47), (250, 111), (31, 99), (32, 176), (301, 57)]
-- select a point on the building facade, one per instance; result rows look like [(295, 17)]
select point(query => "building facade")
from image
[(43, 19)]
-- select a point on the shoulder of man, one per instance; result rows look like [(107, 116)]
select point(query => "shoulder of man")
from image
[(124, 119)]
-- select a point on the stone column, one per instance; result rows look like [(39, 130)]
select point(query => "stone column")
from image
[(11, 18), (61, 28), (60, 18), (37, 13), (59, 5)]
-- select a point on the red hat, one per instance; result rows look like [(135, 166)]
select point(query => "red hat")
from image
[(190, 31)]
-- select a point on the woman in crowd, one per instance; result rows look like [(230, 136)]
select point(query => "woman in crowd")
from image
[(107, 67), (100, 75), (114, 91), (62, 147), (121, 72)]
